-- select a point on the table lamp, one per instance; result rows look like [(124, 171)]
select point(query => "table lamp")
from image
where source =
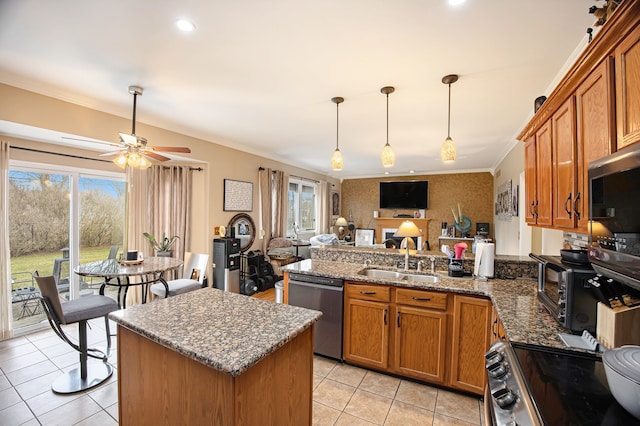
[(407, 230), (341, 222)]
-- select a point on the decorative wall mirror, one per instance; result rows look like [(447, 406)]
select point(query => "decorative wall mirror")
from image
[(244, 230)]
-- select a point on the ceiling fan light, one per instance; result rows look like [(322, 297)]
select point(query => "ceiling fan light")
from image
[(144, 163), (448, 151), (133, 159), (337, 160), (388, 157), (120, 161)]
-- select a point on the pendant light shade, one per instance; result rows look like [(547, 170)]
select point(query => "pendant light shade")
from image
[(337, 160), (388, 157), (448, 150)]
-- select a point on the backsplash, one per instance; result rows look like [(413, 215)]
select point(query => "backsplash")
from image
[(505, 266), (575, 240)]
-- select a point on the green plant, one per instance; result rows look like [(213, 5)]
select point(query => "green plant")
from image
[(163, 244)]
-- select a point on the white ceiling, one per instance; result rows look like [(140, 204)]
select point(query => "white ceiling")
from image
[(261, 74)]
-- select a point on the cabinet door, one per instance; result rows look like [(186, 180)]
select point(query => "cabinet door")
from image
[(595, 113), (544, 162), (366, 333), (564, 165), (471, 337), (497, 329), (420, 342), (530, 180), (627, 56)]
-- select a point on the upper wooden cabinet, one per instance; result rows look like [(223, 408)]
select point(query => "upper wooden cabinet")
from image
[(595, 133), (564, 171), (582, 115), (627, 56), (538, 181)]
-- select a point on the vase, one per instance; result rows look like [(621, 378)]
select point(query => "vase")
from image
[(168, 253)]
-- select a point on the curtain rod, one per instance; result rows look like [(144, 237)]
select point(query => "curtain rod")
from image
[(293, 176), (197, 169)]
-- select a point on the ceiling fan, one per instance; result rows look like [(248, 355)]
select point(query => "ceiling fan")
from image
[(133, 150)]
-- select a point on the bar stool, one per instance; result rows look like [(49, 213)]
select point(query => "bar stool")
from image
[(77, 311)]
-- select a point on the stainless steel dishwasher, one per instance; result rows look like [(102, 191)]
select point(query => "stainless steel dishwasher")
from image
[(325, 295)]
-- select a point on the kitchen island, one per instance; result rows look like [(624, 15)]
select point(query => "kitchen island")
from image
[(214, 357)]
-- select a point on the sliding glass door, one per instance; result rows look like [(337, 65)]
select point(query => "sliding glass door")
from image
[(58, 218)]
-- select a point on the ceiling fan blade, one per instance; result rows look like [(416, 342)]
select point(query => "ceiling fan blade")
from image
[(90, 141), (170, 149), (155, 156), (107, 154)]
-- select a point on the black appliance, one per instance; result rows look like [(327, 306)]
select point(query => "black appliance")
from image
[(404, 194), (226, 263), (614, 214), (535, 385), (565, 290), (260, 271), (325, 295)]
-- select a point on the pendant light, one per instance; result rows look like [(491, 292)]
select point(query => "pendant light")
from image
[(387, 156), (336, 159), (448, 150)]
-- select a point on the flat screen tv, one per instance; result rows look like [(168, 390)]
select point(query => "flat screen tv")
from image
[(404, 194)]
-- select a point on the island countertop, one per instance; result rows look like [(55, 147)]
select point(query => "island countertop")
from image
[(524, 318), (225, 331)]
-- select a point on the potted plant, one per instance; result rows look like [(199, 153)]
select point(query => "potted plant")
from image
[(163, 245)]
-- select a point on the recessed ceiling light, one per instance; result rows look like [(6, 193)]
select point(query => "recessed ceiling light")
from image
[(185, 25), (456, 2), (412, 171), (387, 172)]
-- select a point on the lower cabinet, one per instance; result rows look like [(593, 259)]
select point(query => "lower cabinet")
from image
[(430, 336), (471, 331)]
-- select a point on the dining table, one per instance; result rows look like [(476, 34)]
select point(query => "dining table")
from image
[(126, 274)]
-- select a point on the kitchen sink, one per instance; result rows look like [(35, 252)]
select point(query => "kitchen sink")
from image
[(382, 273), (423, 278), (394, 275)]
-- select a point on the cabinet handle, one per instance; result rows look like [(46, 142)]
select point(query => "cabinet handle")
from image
[(566, 202), (398, 319), (575, 206), (367, 292), (536, 209), (426, 299), (531, 209), (384, 317)]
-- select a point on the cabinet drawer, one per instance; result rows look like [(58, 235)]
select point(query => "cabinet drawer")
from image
[(425, 299), (375, 293)]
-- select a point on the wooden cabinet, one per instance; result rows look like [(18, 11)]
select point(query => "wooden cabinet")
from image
[(538, 156), (595, 133), (366, 325), (471, 339), (564, 164), (627, 57), (497, 329), (420, 335)]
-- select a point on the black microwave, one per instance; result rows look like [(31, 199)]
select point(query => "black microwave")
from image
[(614, 216)]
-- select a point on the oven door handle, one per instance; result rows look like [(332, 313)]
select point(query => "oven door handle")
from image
[(538, 258), (489, 419)]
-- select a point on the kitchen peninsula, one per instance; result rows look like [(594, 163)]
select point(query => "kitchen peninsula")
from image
[(214, 357)]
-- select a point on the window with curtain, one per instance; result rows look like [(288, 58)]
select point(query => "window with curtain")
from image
[(302, 207)]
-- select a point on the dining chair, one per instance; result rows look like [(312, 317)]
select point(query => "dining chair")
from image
[(195, 266), (78, 311)]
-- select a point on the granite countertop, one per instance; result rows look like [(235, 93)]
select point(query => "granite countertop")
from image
[(226, 331), (524, 318)]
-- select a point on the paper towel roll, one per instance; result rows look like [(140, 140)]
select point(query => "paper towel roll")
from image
[(485, 255)]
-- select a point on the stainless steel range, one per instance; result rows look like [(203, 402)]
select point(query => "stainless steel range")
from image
[(535, 385)]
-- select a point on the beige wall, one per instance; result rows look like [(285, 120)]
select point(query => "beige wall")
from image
[(473, 191), (508, 233), (219, 162)]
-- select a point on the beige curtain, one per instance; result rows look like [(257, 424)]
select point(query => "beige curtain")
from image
[(324, 196), (280, 203), (266, 212), (6, 317), (169, 204), (136, 221)]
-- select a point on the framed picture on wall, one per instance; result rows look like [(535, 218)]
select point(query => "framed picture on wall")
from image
[(335, 204), (238, 196)]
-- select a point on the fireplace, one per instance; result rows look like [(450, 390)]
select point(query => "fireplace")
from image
[(388, 234)]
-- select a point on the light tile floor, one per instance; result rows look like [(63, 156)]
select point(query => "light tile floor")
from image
[(342, 395)]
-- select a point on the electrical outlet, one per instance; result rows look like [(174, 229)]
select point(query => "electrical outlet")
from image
[(216, 230)]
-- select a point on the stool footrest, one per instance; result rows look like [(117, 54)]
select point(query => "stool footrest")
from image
[(72, 382)]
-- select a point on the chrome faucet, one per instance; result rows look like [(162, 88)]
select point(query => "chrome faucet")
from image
[(432, 259), (420, 265), (367, 262)]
